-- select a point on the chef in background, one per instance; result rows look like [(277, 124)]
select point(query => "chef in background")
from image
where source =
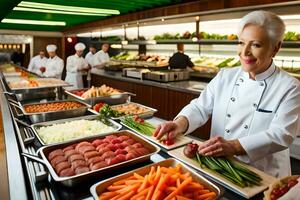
[(37, 62), (101, 58), (76, 64), (90, 56), (179, 60), (54, 65), (255, 108)]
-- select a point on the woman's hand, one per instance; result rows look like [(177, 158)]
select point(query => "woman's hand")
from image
[(218, 146), (172, 128)]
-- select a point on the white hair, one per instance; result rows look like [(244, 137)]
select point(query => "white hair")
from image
[(272, 23)]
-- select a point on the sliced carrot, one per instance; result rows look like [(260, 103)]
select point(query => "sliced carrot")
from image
[(203, 191), (144, 184), (207, 195), (140, 194), (180, 188), (137, 176), (150, 193), (116, 187), (127, 196), (121, 182), (178, 197), (107, 195)]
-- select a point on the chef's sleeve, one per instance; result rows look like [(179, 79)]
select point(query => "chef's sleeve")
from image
[(281, 133), (199, 110)]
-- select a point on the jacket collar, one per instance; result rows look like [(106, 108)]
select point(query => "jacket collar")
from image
[(262, 76)]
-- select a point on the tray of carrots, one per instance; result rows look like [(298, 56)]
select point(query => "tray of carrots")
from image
[(165, 180)]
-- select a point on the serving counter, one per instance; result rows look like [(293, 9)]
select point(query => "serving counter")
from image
[(28, 179)]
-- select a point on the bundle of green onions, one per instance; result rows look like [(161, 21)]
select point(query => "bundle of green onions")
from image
[(139, 124), (232, 171)]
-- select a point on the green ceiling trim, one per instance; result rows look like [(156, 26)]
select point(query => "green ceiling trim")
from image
[(123, 6)]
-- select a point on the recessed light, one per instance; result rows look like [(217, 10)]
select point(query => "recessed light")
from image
[(33, 22)]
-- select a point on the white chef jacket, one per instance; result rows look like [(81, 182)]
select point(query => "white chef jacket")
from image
[(36, 63), (264, 114), (74, 76), (99, 58), (89, 57), (54, 67)]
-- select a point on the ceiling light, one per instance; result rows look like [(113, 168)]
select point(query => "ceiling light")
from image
[(34, 22), (70, 40), (57, 11), (68, 8)]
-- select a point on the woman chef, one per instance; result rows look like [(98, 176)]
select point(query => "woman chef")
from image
[(75, 64), (255, 108)]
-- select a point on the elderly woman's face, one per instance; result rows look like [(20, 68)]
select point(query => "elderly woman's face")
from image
[(255, 49)]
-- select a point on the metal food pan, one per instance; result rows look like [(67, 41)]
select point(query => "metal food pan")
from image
[(35, 127), (101, 187), (76, 179), (148, 114), (111, 99), (54, 115)]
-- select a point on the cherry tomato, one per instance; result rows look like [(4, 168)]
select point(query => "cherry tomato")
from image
[(168, 142)]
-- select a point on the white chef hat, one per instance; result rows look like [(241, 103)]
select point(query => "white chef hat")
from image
[(51, 48), (79, 46)]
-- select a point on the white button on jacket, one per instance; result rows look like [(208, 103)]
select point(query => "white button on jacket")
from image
[(264, 115), (54, 67)]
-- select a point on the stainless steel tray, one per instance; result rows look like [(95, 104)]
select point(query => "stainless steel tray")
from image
[(100, 187), (54, 115), (111, 99), (143, 115), (34, 127), (76, 179)]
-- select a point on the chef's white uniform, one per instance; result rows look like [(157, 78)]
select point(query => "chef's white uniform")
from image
[(264, 114), (74, 75), (90, 58), (36, 63), (54, 67), (100, 57)]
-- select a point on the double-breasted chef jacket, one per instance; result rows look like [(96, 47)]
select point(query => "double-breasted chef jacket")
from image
[(54, 67), (263, 114), (36, 63), (90, 58), (74, 75)]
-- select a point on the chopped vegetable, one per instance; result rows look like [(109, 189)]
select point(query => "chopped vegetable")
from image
[(139, 124), (166, 183)]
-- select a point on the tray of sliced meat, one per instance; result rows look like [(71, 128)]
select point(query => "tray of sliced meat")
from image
[(71, 163)]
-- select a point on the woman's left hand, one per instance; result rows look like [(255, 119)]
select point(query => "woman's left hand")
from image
[(218, 146)]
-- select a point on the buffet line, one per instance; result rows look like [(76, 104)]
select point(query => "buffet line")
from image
[(74, 139)]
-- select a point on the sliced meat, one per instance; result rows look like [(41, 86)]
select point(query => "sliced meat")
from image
[(67, 172), (70, 152), (97, 142), (111, 161), (137, 145), (98, 165), (116, 140), (91, 154), (82, 144), (142, 151), (101, 146), (58, 159), (112, 147), (53, 154), (81, 170), (130, 156), (121, 158), (111, 137), (85, 149), (130, 141), (74, 157), (108, 154), (93, 160), (102, 151), (78, 163), (129, 148), (123, 137), (70, 147), (120, 146), (120, 151), (61, 166)]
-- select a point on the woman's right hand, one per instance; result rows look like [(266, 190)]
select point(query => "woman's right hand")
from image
[(171, 128)]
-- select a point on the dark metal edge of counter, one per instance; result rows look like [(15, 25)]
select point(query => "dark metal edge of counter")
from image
[(181, 86), (16, 181)]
